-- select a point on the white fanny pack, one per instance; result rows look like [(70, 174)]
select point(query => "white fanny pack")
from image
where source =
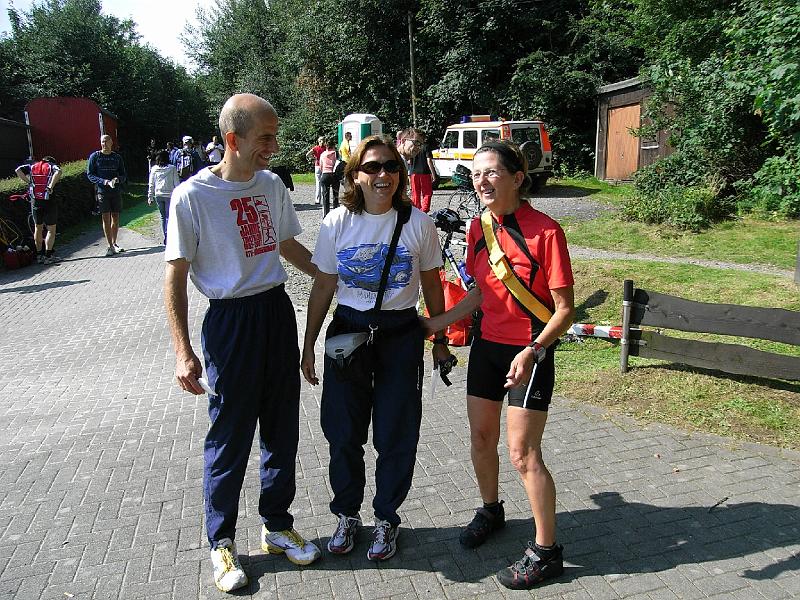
[(340, 347)]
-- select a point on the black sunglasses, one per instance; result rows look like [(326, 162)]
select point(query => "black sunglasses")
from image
[(373, 167)]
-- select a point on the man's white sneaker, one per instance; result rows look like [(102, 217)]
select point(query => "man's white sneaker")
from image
[(343, 539), (119, 249), (228, 572), (110, 251), (384, 541), (291, 543)]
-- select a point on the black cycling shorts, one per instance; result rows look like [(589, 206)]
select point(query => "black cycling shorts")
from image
[(109, 202), (486, 375), (45, 212)]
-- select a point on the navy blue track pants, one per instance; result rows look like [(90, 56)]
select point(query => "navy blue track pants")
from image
[(252, 362), (391, 398)]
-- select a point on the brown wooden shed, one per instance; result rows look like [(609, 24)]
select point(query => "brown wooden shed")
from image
[(619, 153)]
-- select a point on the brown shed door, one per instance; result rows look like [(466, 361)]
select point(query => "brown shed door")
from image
[(622, 151)]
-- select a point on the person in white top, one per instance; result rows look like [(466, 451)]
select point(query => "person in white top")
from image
[(214, 151), (228, 227), (162, 181), (382, 382)]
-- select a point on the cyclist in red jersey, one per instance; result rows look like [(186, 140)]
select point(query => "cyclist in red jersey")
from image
[(513, 353)]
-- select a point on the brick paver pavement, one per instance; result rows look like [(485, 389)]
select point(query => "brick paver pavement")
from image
[(101, 475)]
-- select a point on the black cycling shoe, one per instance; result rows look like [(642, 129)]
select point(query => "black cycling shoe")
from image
[(482, 526), (532, 570)]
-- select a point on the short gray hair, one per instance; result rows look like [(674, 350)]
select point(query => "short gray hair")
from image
[(236, 119)]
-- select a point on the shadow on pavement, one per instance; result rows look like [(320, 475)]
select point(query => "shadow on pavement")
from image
[(304, 206), (30, 289), (617, 537)]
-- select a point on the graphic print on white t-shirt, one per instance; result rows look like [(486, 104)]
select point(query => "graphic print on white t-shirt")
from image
[(255, 224), (360, 267)]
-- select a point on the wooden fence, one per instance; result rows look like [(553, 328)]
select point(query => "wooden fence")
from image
[(643, 307)]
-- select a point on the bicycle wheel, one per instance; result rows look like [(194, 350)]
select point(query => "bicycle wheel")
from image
[(10, 235), (467, 205)]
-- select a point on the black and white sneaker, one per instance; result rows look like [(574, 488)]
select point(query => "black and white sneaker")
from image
[(384, 541), (532, 570)]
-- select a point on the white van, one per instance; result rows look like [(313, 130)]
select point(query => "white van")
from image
[(462, 139)]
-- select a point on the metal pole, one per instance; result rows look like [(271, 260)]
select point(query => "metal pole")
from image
[(796, 269), (624, 343), (411, 59)]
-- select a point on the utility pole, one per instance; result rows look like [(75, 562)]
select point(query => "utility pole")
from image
[(411, 59)]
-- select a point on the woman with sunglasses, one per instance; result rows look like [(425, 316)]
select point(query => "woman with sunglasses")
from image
[(383, 383), (513, 353)]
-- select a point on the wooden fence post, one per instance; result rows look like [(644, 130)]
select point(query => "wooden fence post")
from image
[(624, 343)]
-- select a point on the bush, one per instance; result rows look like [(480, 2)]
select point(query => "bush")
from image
[(74, 195), (774, 190), (672, 191)]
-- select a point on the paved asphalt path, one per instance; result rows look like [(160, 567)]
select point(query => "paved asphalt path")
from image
[(100, 471)]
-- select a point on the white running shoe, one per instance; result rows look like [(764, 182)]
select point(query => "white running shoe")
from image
[(384, 541), (343, 539), (291, 543), (111, 251), (228, 572)]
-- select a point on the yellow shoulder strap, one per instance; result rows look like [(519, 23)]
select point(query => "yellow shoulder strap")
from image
[(503, 271)]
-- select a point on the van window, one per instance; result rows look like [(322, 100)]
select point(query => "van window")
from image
[(470, 138), (450, 140), (489, 135), (525, 134)]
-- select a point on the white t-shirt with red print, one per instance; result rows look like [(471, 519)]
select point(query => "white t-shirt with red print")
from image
[(230, 232)]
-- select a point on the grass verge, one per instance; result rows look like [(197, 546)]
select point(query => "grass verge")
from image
[(746, 408), (136, 214), (595, 189), (743, 241)]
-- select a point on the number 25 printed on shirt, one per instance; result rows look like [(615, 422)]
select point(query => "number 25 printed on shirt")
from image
[(255, 224)]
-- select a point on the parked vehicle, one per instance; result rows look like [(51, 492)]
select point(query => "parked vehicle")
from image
[(462, 139)]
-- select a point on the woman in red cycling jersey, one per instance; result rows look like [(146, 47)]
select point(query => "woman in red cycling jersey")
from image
[(513, 351)]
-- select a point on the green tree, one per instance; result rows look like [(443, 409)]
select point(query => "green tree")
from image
[(69, 48)]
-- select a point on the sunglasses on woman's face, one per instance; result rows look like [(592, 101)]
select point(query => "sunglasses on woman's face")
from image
[(373, 167)]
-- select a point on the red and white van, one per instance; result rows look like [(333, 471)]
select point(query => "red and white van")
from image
[(460, 141)]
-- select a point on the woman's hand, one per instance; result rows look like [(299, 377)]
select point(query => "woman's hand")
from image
[(307, 366), (440, 352), (521, 368), (149, 200), (429, 325)]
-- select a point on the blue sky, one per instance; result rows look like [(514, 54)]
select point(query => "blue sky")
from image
[(159, 22)]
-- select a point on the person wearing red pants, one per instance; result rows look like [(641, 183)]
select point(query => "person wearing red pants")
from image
[(423, 176)]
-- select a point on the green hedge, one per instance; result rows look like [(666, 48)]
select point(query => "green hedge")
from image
[(74, 195)]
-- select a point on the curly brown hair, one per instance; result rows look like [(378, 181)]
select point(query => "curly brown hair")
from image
[(353, 198)]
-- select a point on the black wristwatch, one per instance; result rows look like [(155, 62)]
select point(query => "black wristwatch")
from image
[(441, 340), (539, 351)]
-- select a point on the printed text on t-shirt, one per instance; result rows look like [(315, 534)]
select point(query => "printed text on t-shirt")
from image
[(255, 224)]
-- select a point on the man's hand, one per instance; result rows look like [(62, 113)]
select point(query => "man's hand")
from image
[(187, 370)]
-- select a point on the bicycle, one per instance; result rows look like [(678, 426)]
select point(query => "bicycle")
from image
[(28, 197), (464, 200)]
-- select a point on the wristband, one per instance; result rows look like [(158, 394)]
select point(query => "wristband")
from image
[(539, 351), (441, 340)]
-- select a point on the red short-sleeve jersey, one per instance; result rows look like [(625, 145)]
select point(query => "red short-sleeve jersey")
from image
[(503, 319)]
